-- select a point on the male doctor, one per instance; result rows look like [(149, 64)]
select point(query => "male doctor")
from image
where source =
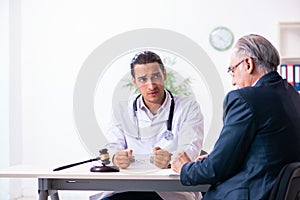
[(154, 122)]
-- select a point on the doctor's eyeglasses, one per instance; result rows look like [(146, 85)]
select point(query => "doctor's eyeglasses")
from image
[(154, 78)]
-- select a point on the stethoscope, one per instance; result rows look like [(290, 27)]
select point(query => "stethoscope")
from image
[(168, 135)]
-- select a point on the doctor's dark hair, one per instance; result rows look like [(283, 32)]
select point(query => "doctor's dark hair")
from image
[(264, 54), (145, 57)]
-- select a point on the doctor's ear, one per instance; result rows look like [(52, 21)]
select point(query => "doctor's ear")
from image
[(165, 74), (133, 80)]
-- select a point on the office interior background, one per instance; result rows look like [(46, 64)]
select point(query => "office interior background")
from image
[(43, 45)]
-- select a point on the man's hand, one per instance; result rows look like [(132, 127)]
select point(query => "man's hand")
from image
[(201, 157), (179, 161), (161, 158), (122, 158)]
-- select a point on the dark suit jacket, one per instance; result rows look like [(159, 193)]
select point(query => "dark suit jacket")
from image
[(261, 133)]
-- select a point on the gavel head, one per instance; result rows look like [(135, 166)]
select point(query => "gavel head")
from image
[(104, 156)]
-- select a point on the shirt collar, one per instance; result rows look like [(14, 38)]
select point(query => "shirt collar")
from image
[(255, 83), (162, 109), (166, 103)]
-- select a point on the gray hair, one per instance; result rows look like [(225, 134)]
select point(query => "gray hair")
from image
[(265, 55)]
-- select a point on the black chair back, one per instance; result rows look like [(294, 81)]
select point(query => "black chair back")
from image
[(287, 186)]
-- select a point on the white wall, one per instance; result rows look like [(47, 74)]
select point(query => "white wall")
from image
[(4, 93), (50, 40)]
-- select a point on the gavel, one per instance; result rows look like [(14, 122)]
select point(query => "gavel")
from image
[(104, 157)]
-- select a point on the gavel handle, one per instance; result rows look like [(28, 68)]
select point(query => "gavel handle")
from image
[(75, 164)]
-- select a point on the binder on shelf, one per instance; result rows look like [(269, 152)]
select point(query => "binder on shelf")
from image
[(290, 74), (283, 71), (297, 76)]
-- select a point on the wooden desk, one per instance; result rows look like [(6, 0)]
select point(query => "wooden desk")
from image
[(50, 182)]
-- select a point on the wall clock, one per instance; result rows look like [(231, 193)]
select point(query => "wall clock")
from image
[(221, 38)]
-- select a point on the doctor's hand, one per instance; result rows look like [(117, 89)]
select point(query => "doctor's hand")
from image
[(123, 158), (179, 161), (161, 157)]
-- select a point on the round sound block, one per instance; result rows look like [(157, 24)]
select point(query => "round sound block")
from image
[(105, 169)]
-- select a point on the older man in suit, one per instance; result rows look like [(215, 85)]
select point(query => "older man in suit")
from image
[(261, 131)]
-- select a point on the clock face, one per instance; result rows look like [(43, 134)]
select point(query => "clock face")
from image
[(221, 38)]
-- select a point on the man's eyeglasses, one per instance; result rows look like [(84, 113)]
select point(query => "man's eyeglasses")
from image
[(231, 68)]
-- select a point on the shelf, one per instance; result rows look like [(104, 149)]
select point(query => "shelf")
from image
[(289, 24), (287, 60), (289, 39)]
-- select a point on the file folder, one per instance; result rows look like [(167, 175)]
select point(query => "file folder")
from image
[(283, 71), (297, 76), (290, 74)]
